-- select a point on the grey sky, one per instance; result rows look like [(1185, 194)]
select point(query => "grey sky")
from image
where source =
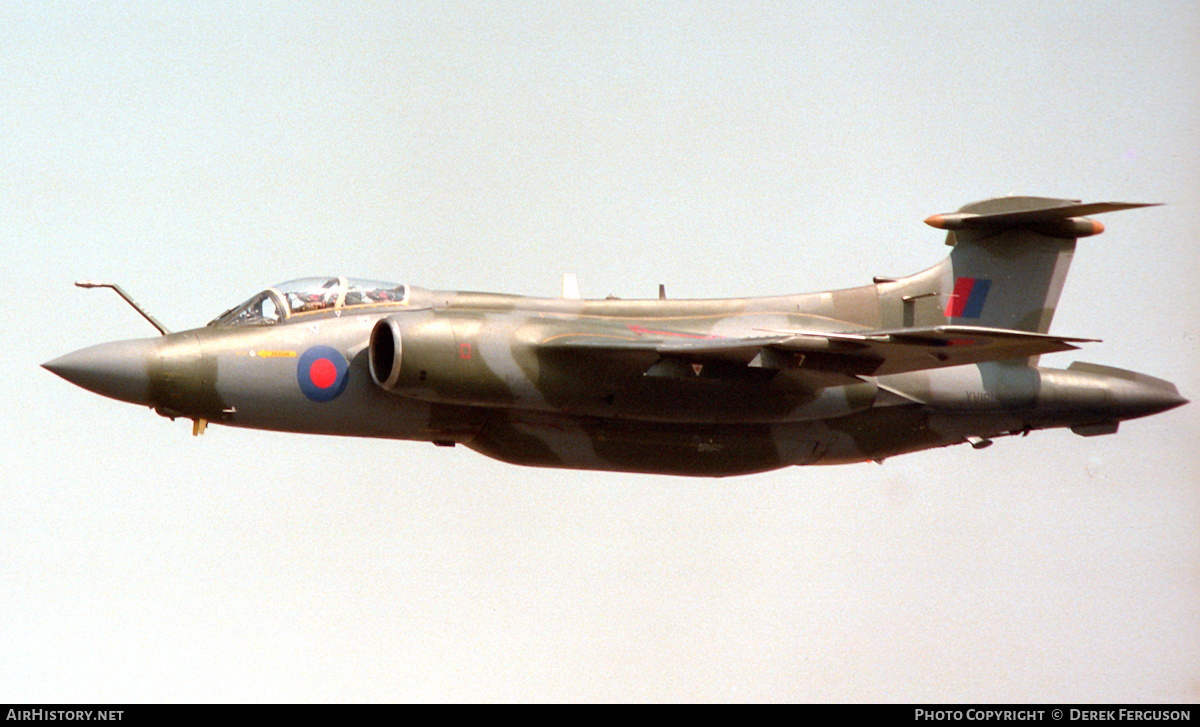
[(197, 152)]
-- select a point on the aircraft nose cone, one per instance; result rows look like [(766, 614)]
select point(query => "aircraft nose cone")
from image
[(119, 370)]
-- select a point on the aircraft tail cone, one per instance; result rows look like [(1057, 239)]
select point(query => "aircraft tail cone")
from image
[(1138, 395), (1147, 401)]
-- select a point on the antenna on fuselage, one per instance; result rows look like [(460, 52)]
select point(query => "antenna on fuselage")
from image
[(570, 286)]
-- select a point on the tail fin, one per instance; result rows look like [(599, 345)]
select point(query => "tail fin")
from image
[(1009, 262)]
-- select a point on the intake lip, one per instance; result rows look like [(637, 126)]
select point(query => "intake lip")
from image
[(385, 351)]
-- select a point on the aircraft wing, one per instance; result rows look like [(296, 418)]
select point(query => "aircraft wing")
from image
[(859, 353), (877, 353)]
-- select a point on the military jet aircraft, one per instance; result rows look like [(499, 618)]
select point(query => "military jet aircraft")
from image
[(684, 387)]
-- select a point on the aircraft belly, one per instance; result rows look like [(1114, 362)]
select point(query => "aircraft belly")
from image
[(698, 402), (724, 450), (646, 447)]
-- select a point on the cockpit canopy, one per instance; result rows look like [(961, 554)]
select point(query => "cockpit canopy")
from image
[(310, 295)]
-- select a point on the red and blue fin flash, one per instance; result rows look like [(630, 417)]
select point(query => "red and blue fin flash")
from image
[(968, 298)]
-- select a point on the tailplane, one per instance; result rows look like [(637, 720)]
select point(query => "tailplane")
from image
[(1008, 265)]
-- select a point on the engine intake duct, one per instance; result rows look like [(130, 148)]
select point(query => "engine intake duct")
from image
[(384, 353)]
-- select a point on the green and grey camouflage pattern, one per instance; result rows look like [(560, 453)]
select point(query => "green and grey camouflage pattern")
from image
[(686, 387)]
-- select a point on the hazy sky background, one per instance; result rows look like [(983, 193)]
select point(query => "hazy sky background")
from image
[(198, 152)]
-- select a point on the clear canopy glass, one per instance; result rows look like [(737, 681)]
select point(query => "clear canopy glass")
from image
[(310, 295)]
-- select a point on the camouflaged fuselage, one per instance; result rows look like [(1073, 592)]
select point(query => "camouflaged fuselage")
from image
[(688, 387)]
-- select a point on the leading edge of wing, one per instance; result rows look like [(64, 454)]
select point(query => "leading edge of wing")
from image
[(914, 349), (863, 353)]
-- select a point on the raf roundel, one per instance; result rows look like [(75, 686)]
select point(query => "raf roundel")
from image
[(322, 372)]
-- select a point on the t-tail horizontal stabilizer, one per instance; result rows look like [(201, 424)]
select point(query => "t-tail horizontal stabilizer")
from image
[(1049, 217)]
